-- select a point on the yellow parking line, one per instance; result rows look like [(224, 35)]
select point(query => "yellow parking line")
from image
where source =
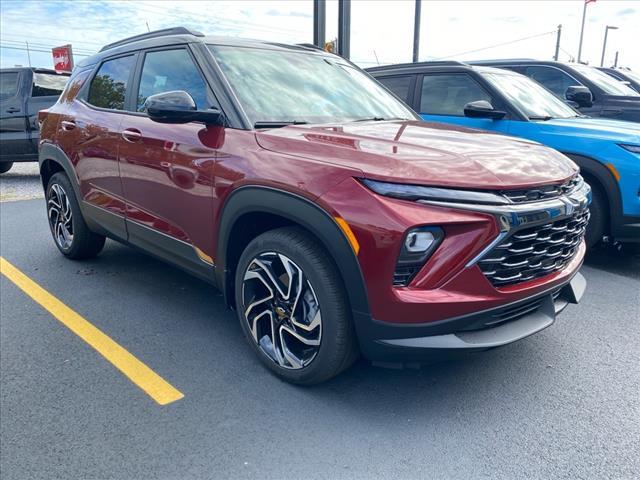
[(145, 378)]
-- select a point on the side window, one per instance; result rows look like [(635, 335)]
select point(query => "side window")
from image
[(399, 86), (48, 84), (551, 78), (109, 87), (447, 94), (169, 70), (8, 84)]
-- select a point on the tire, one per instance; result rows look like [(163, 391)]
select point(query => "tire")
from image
[(599, 209), (5, 167), (317, 352), (71, 235)]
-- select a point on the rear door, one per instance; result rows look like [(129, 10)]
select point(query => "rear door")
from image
[(13, 120), (89, 133), (442, 96), (167, 170)]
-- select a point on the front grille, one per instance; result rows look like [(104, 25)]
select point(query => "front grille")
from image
[(536, 251), (404, 274), (544, 192)]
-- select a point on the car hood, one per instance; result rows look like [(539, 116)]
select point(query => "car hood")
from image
[(424, 153), (598, 128)]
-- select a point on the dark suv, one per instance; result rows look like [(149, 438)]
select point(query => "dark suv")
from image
[(594, 92), (333, 220), (23, 92)]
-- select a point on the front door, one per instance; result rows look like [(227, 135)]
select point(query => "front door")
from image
[(444, 95), (167, 170)]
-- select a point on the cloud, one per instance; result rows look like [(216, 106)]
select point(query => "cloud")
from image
[(626, 11)]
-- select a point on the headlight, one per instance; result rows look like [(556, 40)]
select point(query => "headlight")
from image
[(631, 148), (416, 192)]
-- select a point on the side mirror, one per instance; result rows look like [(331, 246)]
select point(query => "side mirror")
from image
[(579, 94), (179, 107), (482, 109)]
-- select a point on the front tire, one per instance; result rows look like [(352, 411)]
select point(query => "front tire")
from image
[(5, 167), (293, 308), (68, 228), (597, 226)]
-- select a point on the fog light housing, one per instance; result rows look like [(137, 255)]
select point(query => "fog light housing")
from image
[(418, 245)]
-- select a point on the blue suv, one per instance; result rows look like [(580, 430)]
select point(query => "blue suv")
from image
[(502, 101)]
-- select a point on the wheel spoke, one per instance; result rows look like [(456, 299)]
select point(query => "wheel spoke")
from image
[(250, 275)]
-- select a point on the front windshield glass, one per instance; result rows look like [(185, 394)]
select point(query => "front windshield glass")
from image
[(288, 86), (632, 75), (532, 99), (608, 84)]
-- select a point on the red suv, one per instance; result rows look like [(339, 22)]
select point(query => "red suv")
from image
[(334, 221)]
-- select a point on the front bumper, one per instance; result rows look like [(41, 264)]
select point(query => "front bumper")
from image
[(402, 343)]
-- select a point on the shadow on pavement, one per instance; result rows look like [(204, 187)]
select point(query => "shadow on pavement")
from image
[(608, 258)]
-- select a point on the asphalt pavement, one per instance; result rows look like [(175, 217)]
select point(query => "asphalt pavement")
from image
[(564, 403)]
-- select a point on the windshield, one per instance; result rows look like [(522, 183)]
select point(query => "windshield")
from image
[(535, 101), (276, 86), (608, 84), (632, 75)]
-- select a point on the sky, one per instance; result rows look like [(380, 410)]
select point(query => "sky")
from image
[(381, 31)]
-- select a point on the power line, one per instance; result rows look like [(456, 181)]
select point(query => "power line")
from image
[(24, 49), (497, 45)]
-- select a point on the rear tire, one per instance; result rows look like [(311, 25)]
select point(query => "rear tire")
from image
[(293, 308), (5, 167), (70, 232), (599, 209)]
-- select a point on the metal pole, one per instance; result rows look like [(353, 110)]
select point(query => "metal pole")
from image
[(319, 22), (28, 52), (416, 32), (604, 46), (584, 14), (615, 63), (555, 57), (344, 28)]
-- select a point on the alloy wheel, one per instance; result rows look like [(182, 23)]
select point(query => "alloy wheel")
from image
[(282, 310), (60, 216)]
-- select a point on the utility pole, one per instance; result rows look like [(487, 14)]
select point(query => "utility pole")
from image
[(319, 22), (584, 15), (28, 52), (615, 63), (416, 32), (344, 28), (555, 57), (604, 44)]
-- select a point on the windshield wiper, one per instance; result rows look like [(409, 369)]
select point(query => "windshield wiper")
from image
[(277, 124), (540, 117), (377, 119)]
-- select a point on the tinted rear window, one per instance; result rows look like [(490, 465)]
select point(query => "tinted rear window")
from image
[(8, 84), (109, 87), (47, 84), (398, 85)]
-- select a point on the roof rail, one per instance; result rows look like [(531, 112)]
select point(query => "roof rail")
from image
[(154, 34), (418, 64), (310, 46), (500, 60)]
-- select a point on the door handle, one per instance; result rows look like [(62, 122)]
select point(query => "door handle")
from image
[(13, 110), (131, 135), (67, 125)]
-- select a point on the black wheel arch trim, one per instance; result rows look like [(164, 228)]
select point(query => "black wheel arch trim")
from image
[(610, 187), (53, 153), (297, 209)]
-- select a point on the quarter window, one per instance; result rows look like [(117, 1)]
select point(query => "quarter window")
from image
[(8, 84), (398, 85), (447, 94), (109, 87), (170, 70)]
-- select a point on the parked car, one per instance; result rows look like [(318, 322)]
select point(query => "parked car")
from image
[(594, 92), (627, 77), (23, 92), (607, 151), (333, 220)]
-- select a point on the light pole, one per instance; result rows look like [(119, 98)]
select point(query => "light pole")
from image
[(604, 44)]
